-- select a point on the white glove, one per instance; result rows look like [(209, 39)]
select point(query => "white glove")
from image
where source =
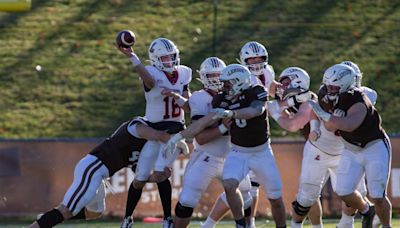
[(182, 146), (325, 116), (314, 135), (171, 144), (274, 109), (221, 113), (299, 98)]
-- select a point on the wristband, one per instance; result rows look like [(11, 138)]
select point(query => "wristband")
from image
[(180, 101), (222, 129), (135, 60)]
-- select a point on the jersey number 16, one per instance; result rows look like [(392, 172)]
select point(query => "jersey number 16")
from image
[(172, 110)]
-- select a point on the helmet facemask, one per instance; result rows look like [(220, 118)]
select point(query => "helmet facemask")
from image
[(228, 89), (293, 79), (258, 67), (210, 72), (164, 55), (211, 81), (257, 54), (338, 79), (169, 62)]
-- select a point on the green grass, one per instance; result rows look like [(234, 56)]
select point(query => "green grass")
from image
[(86, 87), (328, 223)]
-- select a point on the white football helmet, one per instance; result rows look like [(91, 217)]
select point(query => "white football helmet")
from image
[(250, 50), (356, 70), (339, 75), (299, 78), (236, 79), (164, 47), (211, 65)]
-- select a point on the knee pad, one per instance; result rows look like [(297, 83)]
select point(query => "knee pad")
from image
[(98, 204), (299, 209), (189, 197), (182, 211), (308, 194)]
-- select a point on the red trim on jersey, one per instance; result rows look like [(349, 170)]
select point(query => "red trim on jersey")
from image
[(262, 79), (172, 78)]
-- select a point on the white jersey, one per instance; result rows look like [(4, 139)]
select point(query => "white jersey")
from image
[(328, 142), (200, 105), (162, 108), (269, 77), (372, 95)]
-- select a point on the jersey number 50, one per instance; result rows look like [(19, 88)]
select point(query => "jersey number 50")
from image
[(172, 112)]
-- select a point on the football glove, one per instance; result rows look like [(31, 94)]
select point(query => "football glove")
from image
[(325, 116)]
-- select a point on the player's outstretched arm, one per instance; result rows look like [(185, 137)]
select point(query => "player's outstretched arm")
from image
[(210, 134), (193, 129), (146, 77), (149, 133), (198, 126), (256, 108), (296, 122)]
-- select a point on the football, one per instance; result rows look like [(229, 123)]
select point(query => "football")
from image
[(125, 38)]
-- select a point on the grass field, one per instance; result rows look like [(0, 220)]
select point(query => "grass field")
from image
[(82, 74), (328, 223)]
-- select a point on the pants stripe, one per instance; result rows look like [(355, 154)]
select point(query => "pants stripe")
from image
[(87, 185), (82, 182)]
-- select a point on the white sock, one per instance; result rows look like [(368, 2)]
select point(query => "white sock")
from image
[(345, 219), (317, 226), (252, 222), (209, 223), (294, 224)]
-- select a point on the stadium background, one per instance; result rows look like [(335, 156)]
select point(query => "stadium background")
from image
[(61, 76)]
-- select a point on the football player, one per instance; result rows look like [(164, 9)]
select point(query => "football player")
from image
[(85, 198), (367, 149), (296, 117), (254, 56), (210, 146), (250, 150), (163, 76), (348, 213)]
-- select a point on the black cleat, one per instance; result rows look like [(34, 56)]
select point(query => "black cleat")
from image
[(368, 218)]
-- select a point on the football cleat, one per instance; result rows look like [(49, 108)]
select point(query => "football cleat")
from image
[(127, 223)]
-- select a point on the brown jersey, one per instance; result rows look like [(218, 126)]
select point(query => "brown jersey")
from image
[(370, 129), (251, 132), (121, 149)]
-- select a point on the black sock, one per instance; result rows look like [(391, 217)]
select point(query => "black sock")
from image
[(133, 199), (50, 219), (247, 212), (80, 215), (241, 222), (165, 191)]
